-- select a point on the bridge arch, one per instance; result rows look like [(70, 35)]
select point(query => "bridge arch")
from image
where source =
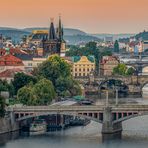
[(144, 89), (88, 116), (145, 70), (131, 117), (118, 80)]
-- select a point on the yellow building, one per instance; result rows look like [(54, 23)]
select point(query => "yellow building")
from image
[(82, 66)]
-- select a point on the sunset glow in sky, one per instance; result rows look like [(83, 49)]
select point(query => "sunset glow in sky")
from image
[(93, 16)]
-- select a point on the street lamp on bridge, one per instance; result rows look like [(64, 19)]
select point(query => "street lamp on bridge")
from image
[(107, 97)]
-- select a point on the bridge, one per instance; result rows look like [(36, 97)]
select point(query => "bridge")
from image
[(138, 65), (134, 83), (110, 116)]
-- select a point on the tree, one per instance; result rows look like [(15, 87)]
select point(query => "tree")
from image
[(122, 69), (21, 79), (130, 71), (2, 106), (116, 47), (25, 95), (54, 68), (3, 85), (42, 93), (92, 47), (58, 71), (67, 87)]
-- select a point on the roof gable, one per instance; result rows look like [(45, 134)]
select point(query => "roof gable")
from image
[(10, 60)]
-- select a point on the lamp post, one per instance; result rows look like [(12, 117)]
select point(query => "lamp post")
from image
[(117, 98), (107, 100)]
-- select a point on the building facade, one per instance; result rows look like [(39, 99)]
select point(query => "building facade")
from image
[(82, 66), (107, 65)]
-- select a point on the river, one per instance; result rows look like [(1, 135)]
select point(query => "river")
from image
[(135, 135)]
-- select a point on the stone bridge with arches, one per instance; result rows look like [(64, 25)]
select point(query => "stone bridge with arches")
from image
[(110, 116), (138, 65), (135, 84)]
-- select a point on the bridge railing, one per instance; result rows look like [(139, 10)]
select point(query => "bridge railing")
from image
[(127, 107)]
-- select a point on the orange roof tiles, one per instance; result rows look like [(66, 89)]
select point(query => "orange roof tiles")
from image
[(12, 51), (10, 60), (10, 73)]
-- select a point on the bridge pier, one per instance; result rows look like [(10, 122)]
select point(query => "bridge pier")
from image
[(110, 130)]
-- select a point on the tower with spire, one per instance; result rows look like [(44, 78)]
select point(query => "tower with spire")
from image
[(54, 43), (60, 34)]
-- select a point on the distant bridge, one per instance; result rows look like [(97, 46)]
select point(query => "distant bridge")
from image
[(134, 83)]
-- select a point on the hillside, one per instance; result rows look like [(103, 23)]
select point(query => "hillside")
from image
[(76, 39), (142, 35), (15, 34), (67, 31), (72, 36), (115, 36)]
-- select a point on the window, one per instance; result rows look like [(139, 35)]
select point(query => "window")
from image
[(29, 64)]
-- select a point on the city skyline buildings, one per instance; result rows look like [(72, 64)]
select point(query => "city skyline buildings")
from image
[(91, 16)]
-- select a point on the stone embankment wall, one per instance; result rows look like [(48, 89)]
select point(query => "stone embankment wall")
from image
[(7, 126)]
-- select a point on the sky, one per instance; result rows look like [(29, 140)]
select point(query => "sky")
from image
[(91, 16)]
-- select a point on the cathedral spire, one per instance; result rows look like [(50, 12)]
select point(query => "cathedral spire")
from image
[(60, 29), (52, 34)]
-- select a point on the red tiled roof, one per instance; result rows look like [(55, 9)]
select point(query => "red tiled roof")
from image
[(110, 58), (12, 51), (10, 60), (9, 73)]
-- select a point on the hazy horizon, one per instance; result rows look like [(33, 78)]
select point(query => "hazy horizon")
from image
[(91, 16), (11, 27)]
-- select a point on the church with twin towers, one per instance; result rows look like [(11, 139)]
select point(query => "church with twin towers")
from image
[(49, 41), (54, 43)]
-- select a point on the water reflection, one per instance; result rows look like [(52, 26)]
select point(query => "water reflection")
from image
[(4, 138)]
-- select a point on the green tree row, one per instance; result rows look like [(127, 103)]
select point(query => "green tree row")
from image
[(123, 70)]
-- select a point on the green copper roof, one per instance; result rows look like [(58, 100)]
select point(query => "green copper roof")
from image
[(77, 58), (91, 58), (7, 49)]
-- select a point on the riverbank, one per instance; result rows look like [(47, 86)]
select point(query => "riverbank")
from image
[(7, 126)]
